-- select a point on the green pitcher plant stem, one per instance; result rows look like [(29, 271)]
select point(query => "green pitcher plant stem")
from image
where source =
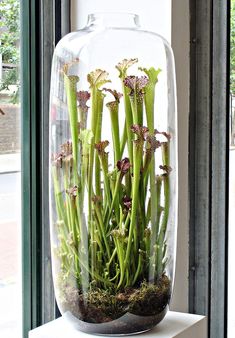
[(112, 208)]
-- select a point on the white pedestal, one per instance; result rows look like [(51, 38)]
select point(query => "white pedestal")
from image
[(174, 325)]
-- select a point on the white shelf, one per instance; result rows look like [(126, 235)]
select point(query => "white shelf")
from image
[(174, 325)]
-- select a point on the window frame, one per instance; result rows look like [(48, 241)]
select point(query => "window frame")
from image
[(209, 162), (43, 23)]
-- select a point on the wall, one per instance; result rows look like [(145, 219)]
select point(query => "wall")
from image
[(155, 15), (181, 45), (171, 20)]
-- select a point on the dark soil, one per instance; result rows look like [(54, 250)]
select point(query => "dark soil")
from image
[(144, 307)]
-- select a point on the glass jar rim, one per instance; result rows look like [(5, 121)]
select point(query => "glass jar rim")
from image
[(114, 19)]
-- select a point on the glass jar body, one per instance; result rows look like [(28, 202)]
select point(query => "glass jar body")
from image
[(113, 177)]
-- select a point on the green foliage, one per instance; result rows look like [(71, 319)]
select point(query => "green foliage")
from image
[(9, 37), (121, 242)]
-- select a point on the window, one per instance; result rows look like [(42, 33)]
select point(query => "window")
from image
[(10, 196), (208, 161), (43, 23)]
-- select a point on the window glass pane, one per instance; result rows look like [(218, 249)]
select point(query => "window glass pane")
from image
[(10, 196)]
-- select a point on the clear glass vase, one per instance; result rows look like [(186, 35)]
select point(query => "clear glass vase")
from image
[(113, 175)]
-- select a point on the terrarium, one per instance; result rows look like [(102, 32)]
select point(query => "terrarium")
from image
[(113, 175)]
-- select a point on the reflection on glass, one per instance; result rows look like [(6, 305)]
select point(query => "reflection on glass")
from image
[(10, 295)]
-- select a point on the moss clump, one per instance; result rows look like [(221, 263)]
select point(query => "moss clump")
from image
[(102, 306), (150, 299)]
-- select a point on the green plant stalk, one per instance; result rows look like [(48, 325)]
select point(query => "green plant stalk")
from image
[(121, 267), (83, 249), (91, 157), (113, 109), (86, 138), (116, 276), (115, 203), (159, 208), (112, 258), (142, 207), (104, 167), (90, 194), (74, 219), (128, 122), (128, 183), (120, 253), (63, 244), (74, 238), (112, 180), (67, 199), (138, 270), (149, 97), (100, 102), (82, 118), (163, 228), (82, 229), (149, 106), (95, 98), (149, 100), (140, 110), (58, 197), (92, 274), (138, 150), (123, 140), (137, 108), (137, 111), (71, 92), (153, 218), (121, 218), (102, 230), (127, 221), (147, 242), (98, 238), (98, 191), (165, 147), (99, 257), (71, 205), (68, 212)]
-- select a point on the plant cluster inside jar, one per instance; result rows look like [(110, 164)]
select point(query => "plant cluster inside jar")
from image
[(113, 261)]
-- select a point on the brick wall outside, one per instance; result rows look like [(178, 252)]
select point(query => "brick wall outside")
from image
[(9, 129)]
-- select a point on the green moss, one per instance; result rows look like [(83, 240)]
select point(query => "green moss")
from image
[(100, 306)]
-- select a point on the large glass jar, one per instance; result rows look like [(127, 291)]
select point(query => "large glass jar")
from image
[(113, 175)]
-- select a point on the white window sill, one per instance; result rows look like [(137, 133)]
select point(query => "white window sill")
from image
[(175, 325)]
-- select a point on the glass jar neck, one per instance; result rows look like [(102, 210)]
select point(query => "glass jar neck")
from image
[(114, 20)]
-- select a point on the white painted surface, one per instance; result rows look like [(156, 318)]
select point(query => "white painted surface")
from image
[(171, 20), (155, 15), (181, 48), (175, 325)]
